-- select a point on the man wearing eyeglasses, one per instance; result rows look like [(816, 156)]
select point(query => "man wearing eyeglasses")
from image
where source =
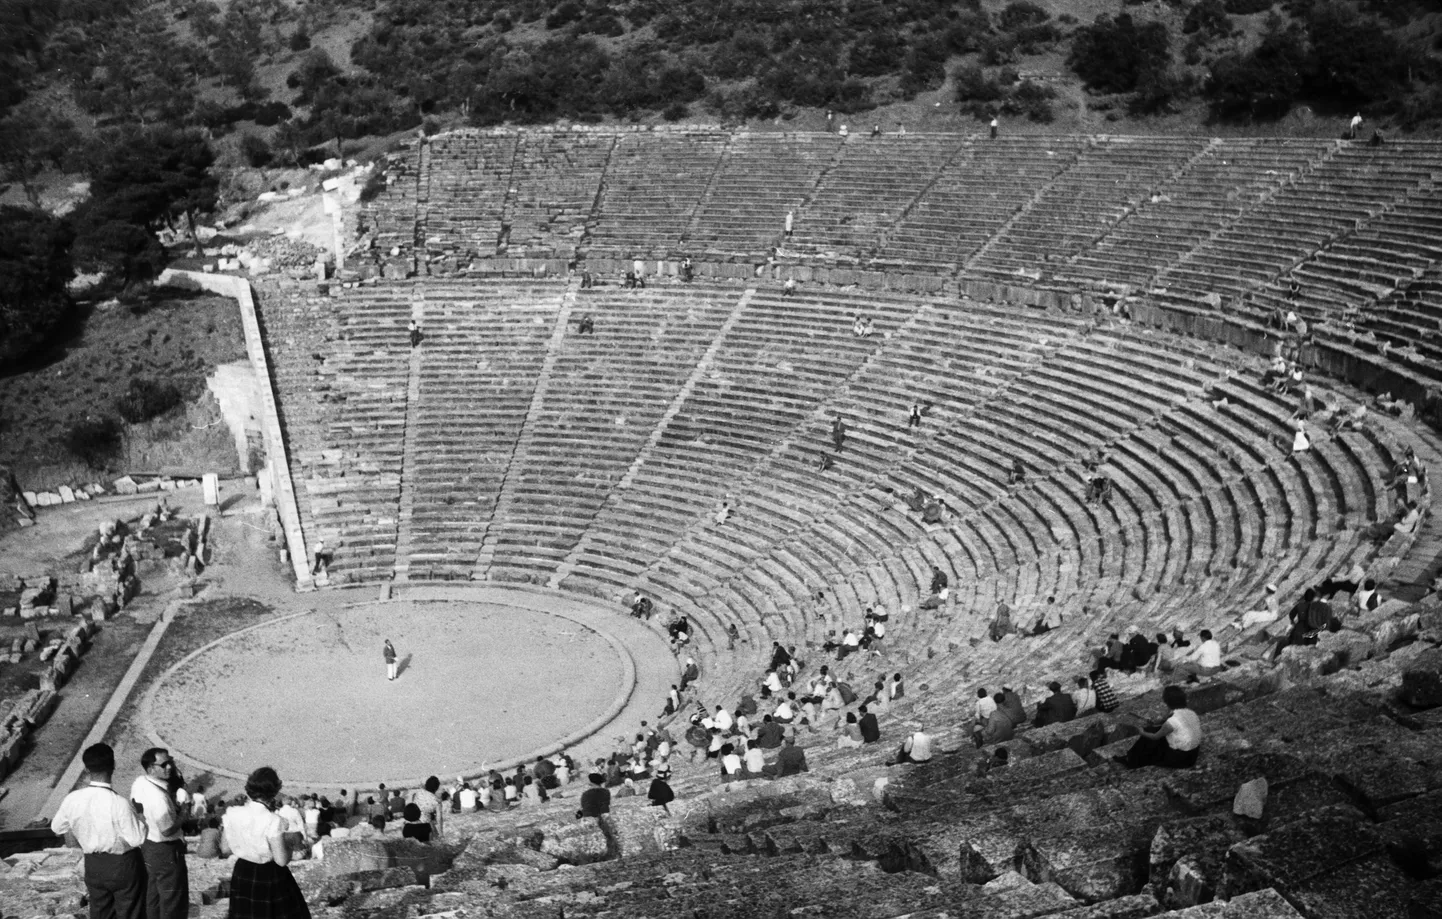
[(167, 888)]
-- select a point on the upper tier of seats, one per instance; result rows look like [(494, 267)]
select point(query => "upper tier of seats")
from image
[(1209, 225)]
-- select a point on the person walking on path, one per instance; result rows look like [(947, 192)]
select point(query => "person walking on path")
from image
[(390, 655), (109, 832), (167, 885)]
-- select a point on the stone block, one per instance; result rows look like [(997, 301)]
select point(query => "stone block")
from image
[(1136, 906), (1251, 799), (576, 843), (1352, 648), (1333, 863), (642, 831), (124, 485), (1096, 863), (350, 856), (67, 495), (1186, 858), (31, 498), (1302, 663), (1422, 680)]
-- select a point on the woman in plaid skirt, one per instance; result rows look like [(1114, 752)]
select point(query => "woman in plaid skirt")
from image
[(261, 886)]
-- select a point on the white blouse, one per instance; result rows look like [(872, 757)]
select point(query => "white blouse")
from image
[(249, 828)]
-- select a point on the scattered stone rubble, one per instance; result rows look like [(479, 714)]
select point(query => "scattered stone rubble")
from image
[(125, 485)]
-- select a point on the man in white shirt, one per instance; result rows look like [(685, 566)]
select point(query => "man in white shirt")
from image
[(985, 705), (916, 748), (167, 883), (1205, 660), (722, 719), (109, 832)]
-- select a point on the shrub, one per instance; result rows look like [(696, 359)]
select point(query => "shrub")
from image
[(973, 85), (1031, 99), (35, 266), (1020, 14), (1261, 84), (1209, 17), (255, 151), (675, 111), (94, 441), (1248, 7), (299, 40), (147, 398), (1357, 61)]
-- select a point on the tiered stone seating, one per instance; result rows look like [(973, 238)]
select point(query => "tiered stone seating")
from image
[(872, 185), (1079, 206), (1355, 184), (553, 185), (342, 368), (468, 178), (650, 193), (760, 178), (975, 195), (479, 365), (607, 393), (1230, 178)]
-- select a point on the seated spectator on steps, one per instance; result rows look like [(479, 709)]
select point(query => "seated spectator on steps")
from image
[(1137, 653), (209, 844), (731, 764), (1269, 611), (1112, 652), (1106, 697), (660, 793), (790, 761), (870, 730), (985, 705), (1055, 708), (850, 733), (1205, 660), (916, 748), (1366, 598), (1011, 704), (1017, 474), (1164, 658), (770, 735), (1084, 696), (1001, 625), (414, 827), (1175, 743), (595, 800), (998, 727)]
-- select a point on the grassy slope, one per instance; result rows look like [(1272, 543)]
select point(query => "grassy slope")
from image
[(179, 340)]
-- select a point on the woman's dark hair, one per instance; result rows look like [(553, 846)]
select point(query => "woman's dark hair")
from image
[(263, 784), (851, 717), (433, 784), (412, 812), (1174, 697)]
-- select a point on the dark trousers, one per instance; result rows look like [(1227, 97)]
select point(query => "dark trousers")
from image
[(167, 884), (1148, 751), (115, 885)]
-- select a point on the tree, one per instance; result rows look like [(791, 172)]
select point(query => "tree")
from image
[(1355, 60), (35, 268), (1262, 83), (1110, 55), (156, 175)]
